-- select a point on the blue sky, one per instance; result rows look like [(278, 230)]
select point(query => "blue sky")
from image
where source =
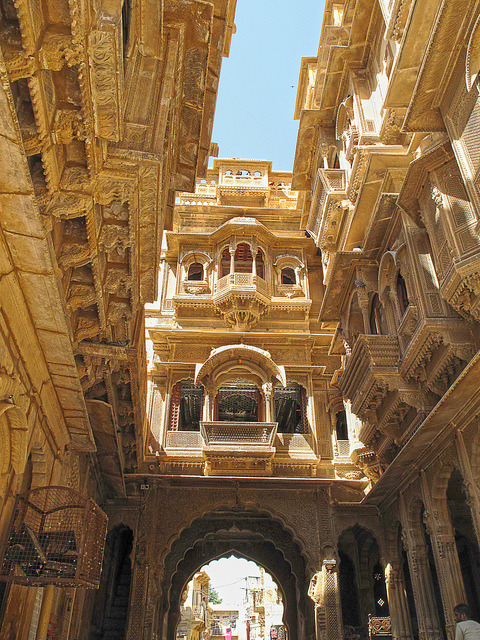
[(258, 82)]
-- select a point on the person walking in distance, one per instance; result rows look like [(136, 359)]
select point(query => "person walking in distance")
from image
[(466, 629)]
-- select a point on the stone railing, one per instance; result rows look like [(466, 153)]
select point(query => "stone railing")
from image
[(241, 281), (341, 448), (183, 440), (238, 434)]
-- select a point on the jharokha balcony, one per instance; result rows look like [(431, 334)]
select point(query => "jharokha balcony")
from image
[(244, 445), (242, 298)]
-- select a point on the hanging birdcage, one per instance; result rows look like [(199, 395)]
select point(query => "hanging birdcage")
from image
[(57, 536)]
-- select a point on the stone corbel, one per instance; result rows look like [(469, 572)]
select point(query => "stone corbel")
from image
[(59, 50)]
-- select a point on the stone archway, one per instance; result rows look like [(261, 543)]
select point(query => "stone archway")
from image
[(244, 533)]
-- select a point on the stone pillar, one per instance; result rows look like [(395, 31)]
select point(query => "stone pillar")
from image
[(364, 305), (414, 543), (325, 592), (471, 489), (267, 388), (232, 261), (445, 553), (397, 603), (331, 598), (207, 403)]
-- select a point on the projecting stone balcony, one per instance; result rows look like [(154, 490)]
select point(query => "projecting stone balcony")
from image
[(235, 448), (241, 298), (256, 190), (389, 405), (371, 370), (326, 210)]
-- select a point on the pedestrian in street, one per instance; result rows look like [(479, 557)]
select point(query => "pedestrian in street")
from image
[(466, 629)]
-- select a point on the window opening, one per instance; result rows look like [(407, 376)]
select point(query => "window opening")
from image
[(126, 12), (195, 271), (290, 409), (225, 263), (341, 425), (186, 406), (376, 318), (288, 276), (260, 264), (243, 258), (402, 294), (238, 401)]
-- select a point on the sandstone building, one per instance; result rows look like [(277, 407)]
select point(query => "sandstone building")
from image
[(292, 373)]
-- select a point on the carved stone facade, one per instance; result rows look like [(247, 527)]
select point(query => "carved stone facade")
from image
[(233, 359)]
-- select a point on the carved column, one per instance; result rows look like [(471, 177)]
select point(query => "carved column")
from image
[(397, 602), (364, 305), (207, 403), (473, 496), (414, 543), (141, 571), (232, 260), (445, 554), (331, 599), (325, 592), (267, 388)]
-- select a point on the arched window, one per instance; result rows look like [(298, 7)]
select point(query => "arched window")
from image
[(225, 263), (288, 276), (260, 264), (402, 294), (376, 319), (341, 425), (243, 258), (195, 271)]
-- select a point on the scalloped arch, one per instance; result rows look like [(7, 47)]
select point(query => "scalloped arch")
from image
[(223, 357)]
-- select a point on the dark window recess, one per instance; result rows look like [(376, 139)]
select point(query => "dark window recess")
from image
[(126, 12), (376, 316), (225, 263), (238, 403), (243, 258), (289, 409), (191, 403), (195, 271), (288, 276), (341, 425), (402, 294), (260, 264)]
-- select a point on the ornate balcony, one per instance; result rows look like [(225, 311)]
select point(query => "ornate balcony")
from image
[(242, 298), (236, 448), (389, 406)]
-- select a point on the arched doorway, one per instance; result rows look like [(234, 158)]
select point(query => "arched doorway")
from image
[(465, 540), (110, 611), (361, 579), (246, 534)]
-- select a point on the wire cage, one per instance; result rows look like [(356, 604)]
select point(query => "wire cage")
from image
[(56, 536)]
